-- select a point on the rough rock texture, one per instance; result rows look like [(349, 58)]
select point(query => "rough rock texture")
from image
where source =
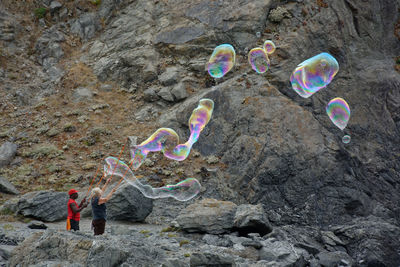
[(7, 187), (7, 153), (47, 206), (208, 215), (251, 219)]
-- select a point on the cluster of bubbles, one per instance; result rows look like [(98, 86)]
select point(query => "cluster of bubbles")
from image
[(182, 191), (165, 140), (314, 74), (258, 57)]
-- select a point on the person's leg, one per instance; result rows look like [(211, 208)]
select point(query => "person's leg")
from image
[(102, 226), (98, 226), (74, 225)]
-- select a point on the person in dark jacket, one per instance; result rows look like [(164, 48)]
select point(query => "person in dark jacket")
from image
[(99, 210), (74, 210)]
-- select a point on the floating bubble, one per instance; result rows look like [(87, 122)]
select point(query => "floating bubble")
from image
[(269, 47), (166, 140), (258, 60), (339, 112), (182, 191), (346, 139), (221, 61), (313, 74)]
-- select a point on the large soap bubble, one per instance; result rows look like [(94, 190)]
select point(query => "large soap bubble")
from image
[(221, 61), (258, 60), (313, 74), (269, 47), (182, 191), (339, 112)]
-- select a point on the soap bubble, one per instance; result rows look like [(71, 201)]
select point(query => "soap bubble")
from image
[(313, 74), (182, 191), (269, 47), (339, 112), (346, 139), (258, 60), (221, 61)]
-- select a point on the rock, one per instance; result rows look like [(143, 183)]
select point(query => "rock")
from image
[(336, 258), (165, 93), (251, 219), (54, 6), (170, 76), (150, 95), (179, 92), (282, 252), (49, 49), (278, 14), (82, 94), (37, 225), (86, 26), (208, 216), (7, 187), (7, 153), (5, 252), (106, 87), (54, 73), (210, 259), (46, 206), (174, 263), (212, 160), (254, 244), (129, 204), (180, 35), (216, 240)]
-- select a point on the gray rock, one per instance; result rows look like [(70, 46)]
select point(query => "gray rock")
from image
[(216, 240), (48, 47), (252, 243), (252, 219), (174, 263), (129, 204), (54, 73), (82, 94), (208, 215), (37, 225), (165, 93), (180, 35), (179, 91), (46, 206), (106, 87), (54, 6), (336, 258), (170, 76), (282, 252), (5, 252), (7, 153), (7, 187), (86, 26), (150, 95), (210, 259)]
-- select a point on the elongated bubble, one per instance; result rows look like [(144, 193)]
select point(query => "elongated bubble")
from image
[(182, 191), (269, 47), (166, 140), (339, 112), (221, 61), (258, 60), (313, 74)]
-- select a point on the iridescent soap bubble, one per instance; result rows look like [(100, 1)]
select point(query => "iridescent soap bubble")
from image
[(182, 191), (258, 60), (221, 61), (269, 47), (166, 140), (346, 139), (339, 112), (313, 74)]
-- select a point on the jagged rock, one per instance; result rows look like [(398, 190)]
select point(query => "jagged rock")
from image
[(216, 240), (7, 187), (336, 258), (252, 243), (47, 206), (54, 6), (282, 252), (150, 95), (251, 219), (180, 35), (7, 153), (170, 76), (86, 26), (129, 204), (208, 215), (179, 91), (165, 93), (82, 94), (208, 258), (5, 252), (37, 225), (48, 47), (174, 263)]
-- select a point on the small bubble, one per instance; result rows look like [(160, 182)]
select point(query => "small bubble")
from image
[(346, 139)]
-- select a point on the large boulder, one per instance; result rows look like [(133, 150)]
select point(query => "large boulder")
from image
[(129, 204), (48, 206), (251, 219), (7, 187), (209, 216), (7, 153), (283, 253)]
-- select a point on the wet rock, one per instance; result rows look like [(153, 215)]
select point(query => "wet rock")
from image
[(208, 215), (251, 219), (7, 187), (7, 153)]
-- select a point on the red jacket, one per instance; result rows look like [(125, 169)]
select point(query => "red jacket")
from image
[(71, 214)]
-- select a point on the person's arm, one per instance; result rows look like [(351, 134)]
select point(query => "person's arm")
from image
[(83, 203), (75, 209), (107, 198), (105, 185)]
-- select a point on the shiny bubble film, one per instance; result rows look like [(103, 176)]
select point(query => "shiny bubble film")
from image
[(221, 61), (182, 191), (346, 139), (339, 112), (258, 60), (269, 47), (313, 74)]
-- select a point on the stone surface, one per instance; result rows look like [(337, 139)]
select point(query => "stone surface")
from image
[(82, 94), (7, 187), (281, 252), (208, 215), (337, 258), (179, 91), (7, 153), (251, 219), (86, 26), (165, 93), (37, 225), (169, 77), (207, 259), (150, 95), (46, 206)]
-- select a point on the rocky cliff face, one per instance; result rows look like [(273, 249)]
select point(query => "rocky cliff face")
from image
[(146, 59)]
